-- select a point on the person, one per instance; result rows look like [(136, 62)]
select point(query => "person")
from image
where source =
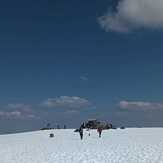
[(83, 125), (89, 134), (58, 127), (99, 130), (81, 132)]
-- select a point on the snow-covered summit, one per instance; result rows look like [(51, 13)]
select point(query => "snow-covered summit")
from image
[(143, 145)]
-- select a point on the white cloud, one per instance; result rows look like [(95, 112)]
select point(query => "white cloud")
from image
[(19, 106), (67, 102), (140, 105), (72, 112), (10, 114), (16, 115), (17, 111), (134, 14), (84, 78)]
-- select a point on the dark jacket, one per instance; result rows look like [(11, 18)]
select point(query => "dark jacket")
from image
[(81, 130)]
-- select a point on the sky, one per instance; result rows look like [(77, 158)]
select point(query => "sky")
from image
[(63, 62)]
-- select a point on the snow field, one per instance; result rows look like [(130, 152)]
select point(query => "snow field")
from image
[(135, 145)]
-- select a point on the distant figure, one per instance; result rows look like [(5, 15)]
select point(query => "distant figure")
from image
[(51, 135), (48, 126), (58, 127), (89, 134), (99, 130), (83, 125), (64, 127), (81, 132)]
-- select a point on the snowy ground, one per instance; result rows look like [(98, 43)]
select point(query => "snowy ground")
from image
[(116, 146)]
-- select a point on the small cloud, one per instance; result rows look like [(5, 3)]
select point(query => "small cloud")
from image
[(19, 106), (16, 115), (132, 15), (17, 111), (72, 112), (84, 78), (67, 102), (140, 105)]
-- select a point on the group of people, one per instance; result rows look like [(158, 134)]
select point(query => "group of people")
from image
[(99, 130)]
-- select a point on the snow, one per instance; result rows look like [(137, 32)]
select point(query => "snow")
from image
[(134, 145)]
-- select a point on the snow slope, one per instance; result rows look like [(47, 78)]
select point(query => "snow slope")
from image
[(116, 146)]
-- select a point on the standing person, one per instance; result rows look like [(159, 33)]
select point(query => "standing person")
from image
[(81, 132), (83, 125), (58, 127), (89, 134), (64, 126), (99, 130)]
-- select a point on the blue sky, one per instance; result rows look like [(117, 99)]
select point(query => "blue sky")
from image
[(59, 64)]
